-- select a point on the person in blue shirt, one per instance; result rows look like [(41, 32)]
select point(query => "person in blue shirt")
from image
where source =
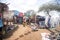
[(1, 26)]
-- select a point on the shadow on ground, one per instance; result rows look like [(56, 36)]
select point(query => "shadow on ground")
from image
[(7, 35)]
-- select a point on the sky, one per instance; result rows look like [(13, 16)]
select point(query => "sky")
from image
[(25, 5)]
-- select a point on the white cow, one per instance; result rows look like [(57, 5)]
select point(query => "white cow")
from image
[(8, 15)]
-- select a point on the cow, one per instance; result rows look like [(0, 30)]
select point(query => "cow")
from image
[(3, 8)]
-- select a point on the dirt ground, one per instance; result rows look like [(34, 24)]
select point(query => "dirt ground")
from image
[(25, 33)]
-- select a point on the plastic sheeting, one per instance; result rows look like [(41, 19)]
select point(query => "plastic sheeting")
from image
[(55, 19), (45, 36), (20, 14), (42, 23), (16, 12)]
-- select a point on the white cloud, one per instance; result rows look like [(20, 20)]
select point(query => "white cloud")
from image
[(31, 2), (24, 5)]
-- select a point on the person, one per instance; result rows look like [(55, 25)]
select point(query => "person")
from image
[(47, 21), (1, 26), (24, 21)]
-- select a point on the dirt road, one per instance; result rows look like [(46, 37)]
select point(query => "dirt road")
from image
[(25, 33)]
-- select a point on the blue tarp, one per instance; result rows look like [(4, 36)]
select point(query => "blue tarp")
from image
[(16, 12)]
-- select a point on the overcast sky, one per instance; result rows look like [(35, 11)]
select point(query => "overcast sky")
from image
[(24, 5)]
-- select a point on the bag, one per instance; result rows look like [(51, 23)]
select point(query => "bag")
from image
[(33, 27)]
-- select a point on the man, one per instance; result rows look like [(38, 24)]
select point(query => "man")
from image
[(24, 21), (47, 21), (1, 26)]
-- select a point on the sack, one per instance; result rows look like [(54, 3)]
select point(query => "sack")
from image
[(33, 27)]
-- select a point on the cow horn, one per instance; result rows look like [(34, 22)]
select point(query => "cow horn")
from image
[(8, 3)]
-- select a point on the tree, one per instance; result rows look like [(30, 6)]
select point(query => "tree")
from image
[(30, 13), (50, 6)]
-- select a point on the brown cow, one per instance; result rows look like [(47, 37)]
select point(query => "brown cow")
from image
[(3, 8)]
